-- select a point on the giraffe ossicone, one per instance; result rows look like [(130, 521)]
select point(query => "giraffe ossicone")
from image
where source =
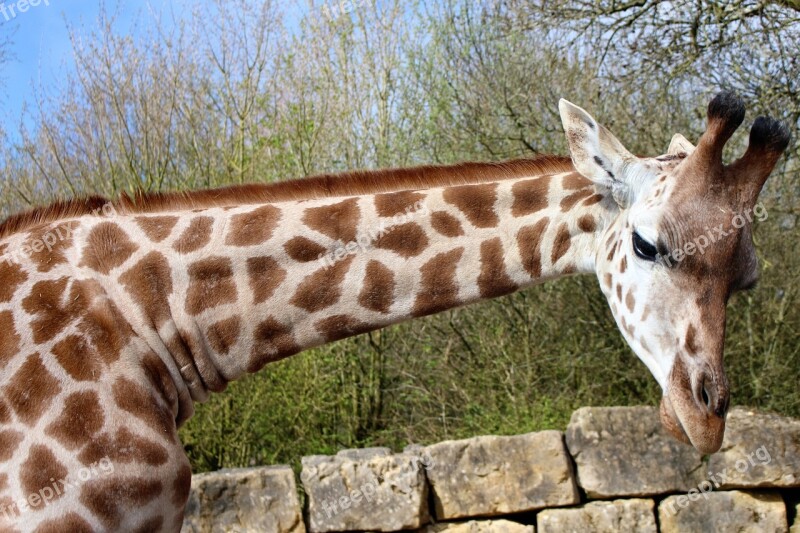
[(112, 330)]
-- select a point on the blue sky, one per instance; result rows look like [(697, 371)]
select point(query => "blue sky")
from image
[(40, 39), (41, 44)]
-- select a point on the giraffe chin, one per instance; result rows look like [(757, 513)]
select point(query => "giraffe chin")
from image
[(708, 437)]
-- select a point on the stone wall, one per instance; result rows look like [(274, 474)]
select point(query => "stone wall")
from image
[(614, 469)]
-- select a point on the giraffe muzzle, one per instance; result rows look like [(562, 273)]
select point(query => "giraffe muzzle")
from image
[(694, 407)]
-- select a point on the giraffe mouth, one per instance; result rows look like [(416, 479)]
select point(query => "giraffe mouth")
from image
[(705, 433), (671, 422)]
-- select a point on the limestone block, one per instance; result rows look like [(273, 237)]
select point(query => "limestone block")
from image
[(743, 512), (624, 451), (479, 526), (244, 499), (490, 476), (365, 490), (759, 450), (618, 516)]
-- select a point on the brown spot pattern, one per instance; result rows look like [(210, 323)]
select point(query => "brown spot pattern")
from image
[(71, 522), (493, 279), (630, 301), (107, 247), (81, 417), (438, 290), (160, 381), (627, 327), (338, 327), (5, 412), (303, 249), (139, 402), (38, 469), (255, 227), (107, 330), (196, 236), (9, 340), (612, 252), (623, 264), (181, 486), (13, 276), (378, 291), (586, 223), (338, 221), (691, 340), (476, 202), (222, 335), (265, 276), (157, 228), (272, 341), (574, 180), (149, 283), (48, 245), (210, 284), (124, 447), (529, 240), (110, 499), (446, 224), (31, 390), (78, 358), (393, 203), (561, 243), (53, 311), (322, 288), (154, 523), (406, 240), (9, 440), (530, 196), (569, 201)]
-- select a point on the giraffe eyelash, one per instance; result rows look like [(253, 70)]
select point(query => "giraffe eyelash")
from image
[(644, 250)]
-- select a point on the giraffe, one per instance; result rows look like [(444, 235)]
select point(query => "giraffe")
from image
[(116, 317)]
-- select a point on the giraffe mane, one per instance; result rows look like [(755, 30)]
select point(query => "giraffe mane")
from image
[(320, 186)]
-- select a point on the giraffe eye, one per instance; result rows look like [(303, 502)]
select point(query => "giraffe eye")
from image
[(644, 250)]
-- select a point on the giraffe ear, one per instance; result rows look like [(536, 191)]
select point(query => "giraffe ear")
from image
[(680, 145), (597, 154)]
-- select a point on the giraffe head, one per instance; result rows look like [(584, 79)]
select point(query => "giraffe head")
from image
[(677, 245)]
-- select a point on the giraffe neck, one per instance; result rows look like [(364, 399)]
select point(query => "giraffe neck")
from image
[(219, 292)]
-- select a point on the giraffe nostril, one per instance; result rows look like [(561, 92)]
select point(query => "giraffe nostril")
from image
[(705, 394), (710, 397)]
